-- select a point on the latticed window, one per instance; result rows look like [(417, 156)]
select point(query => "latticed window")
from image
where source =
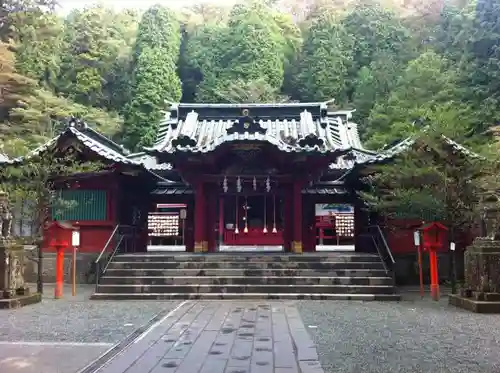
[(80, 204)]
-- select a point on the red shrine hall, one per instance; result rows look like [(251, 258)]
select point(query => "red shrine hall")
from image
[(222, 177), (254, 177)]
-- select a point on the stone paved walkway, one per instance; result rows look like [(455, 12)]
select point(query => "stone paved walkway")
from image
[(222, 337)]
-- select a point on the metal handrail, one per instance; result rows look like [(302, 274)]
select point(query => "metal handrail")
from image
[(110, 257), (378, 234), (110, 239), (387, 248), (386, 269), (113, 253)]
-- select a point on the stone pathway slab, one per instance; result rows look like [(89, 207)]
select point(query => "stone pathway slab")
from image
[(35, 357), (222, 337)]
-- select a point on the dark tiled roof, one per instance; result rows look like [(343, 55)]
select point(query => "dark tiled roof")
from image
[(407, 143), (150, 162), (91, 139), (173, 189), (324, 190), (296, 127)]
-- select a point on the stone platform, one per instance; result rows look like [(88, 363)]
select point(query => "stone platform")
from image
[(20, 301), (221, 337), (474, 305)]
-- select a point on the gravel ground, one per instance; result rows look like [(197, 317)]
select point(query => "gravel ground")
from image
[(77, 319), (411, 336)]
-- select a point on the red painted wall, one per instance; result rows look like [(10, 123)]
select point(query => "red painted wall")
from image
[(399, 235), (95, 234)]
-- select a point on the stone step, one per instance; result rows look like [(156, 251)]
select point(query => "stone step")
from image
[(246, 272), (245, 296), (243, 280), (292, 288), (246, 265), (246, 257)]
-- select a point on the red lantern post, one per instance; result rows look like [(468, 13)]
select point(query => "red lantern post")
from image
[(60, 237), (434, 238)]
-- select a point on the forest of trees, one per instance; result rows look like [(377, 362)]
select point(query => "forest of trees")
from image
[(399, 65)]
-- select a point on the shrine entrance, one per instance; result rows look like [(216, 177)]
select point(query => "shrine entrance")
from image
[(251, 222), (334, 226)]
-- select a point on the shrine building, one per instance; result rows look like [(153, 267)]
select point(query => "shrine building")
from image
[(220, 177), (251, 178)]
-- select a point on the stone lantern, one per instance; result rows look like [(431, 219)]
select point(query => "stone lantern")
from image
[(490, 217), (481, 291), (12, 258)]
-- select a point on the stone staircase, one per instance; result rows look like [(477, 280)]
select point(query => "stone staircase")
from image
[(355, 276)]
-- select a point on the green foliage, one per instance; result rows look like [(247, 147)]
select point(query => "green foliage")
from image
[(324, 61), (257, 44), (11, 8), (96, 52), (35, 182), (38, 39), (159, 28), (155, 82), (154, 77), (376, 31), (432, 181), (395, 63), (427, 91), (373, 84), (38, 118)]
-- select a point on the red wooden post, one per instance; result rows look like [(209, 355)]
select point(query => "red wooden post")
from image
[(434, 239), (434, 275), (199, 219), (61, 236), (297, 217), (58, 291)]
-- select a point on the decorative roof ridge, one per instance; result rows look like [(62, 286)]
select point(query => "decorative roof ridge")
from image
[(4, 158), (249, 105), (83, 127), (337, 113), (353, 134), (409, 141), (187, 139), (308, 128)]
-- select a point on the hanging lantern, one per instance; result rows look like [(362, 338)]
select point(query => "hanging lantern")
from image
[(254, 183), (237, 230), (224, 184), (245, 230), (238, 184), (268, 185), (274, 215), (265, 215)]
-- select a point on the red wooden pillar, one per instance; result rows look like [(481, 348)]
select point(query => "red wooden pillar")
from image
[(211, 220), (189, 234), (309, 225), (221, 221), (287, 219), (200, 241), (297, 216)]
